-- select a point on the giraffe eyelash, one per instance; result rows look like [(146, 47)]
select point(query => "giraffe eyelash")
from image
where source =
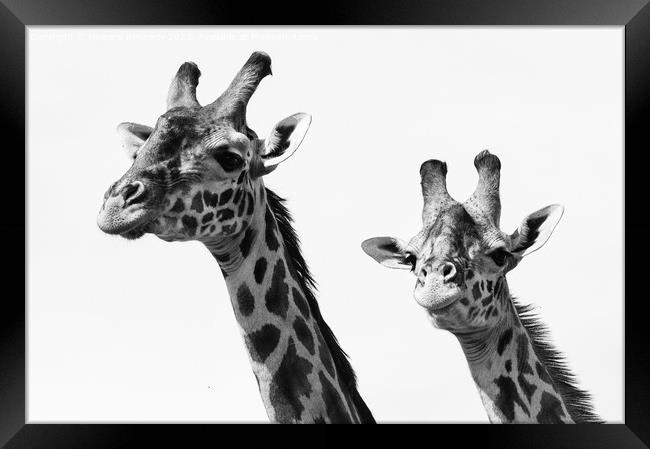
[(229, 161), (410, 259), (499, 256)]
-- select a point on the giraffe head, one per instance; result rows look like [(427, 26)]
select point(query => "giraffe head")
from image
[(194, 174), (461, 257)]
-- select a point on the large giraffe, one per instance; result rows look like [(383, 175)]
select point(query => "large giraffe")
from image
[(461, 258), (197, 175)]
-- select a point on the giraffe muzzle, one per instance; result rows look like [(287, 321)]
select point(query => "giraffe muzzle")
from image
[(438, 286), (126, 209)]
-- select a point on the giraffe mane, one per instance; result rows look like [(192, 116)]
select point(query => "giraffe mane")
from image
[(308, 285), (578, 401)]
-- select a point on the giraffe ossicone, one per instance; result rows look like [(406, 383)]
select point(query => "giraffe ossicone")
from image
[(460, 258), (198, 175)]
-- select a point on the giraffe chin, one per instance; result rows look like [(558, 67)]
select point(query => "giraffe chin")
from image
[(444, 305), (135, 233), (139, 229), (440, 302), (129, 222)]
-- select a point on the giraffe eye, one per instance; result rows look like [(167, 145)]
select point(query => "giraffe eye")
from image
[(411, 260), (229, 161), (499, 256)]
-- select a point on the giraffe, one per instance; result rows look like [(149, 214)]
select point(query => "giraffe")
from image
[(460, 259), (198, 175)]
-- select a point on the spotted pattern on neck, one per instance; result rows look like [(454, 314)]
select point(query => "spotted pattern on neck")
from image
[(292, 362), (514, 382)]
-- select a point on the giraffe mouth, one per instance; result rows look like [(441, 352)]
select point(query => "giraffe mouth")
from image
[(136, 232), (437, 298), (144, 223), (130, 223), (444, 305)]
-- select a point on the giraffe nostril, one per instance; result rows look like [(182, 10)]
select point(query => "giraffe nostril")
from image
[(133, 193), (448, 271)]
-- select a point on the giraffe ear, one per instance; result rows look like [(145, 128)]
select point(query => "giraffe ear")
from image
[(388, 251), (535, 229), (133, 137), (284, 140)]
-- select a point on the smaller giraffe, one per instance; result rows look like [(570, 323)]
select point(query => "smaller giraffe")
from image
[(460, 259)]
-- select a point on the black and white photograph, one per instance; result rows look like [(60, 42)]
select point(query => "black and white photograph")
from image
[(240, 170), (382, 217)]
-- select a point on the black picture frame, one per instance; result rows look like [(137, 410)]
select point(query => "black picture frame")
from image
[(16, 15)]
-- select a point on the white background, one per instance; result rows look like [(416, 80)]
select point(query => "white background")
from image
[(144, 331)]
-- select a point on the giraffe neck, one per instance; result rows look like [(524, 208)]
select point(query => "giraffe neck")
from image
[(292, 362), (515, 385)]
